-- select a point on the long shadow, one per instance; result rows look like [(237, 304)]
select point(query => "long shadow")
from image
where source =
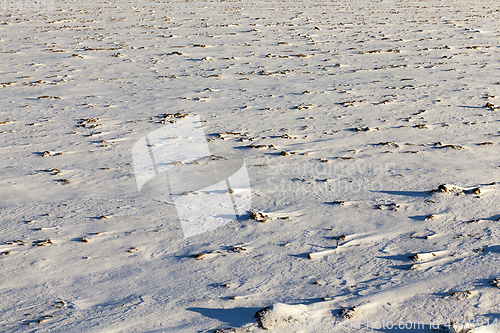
[(399, 261), (471, 107), (404, 267), (485, 283), (494, 218), (301, 255), (234, 317), (492, 249), (400, 257), (418, 217), (406, 193)]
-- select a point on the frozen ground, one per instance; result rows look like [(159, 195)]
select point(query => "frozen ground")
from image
[(348, 114)]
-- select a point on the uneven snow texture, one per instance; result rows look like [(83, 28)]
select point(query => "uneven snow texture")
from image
[(349, 114)]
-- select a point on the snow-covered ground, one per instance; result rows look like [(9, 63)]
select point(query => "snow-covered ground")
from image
[(370, 132)]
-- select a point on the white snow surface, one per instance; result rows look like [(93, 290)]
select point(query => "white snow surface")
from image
[(349, 114)]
